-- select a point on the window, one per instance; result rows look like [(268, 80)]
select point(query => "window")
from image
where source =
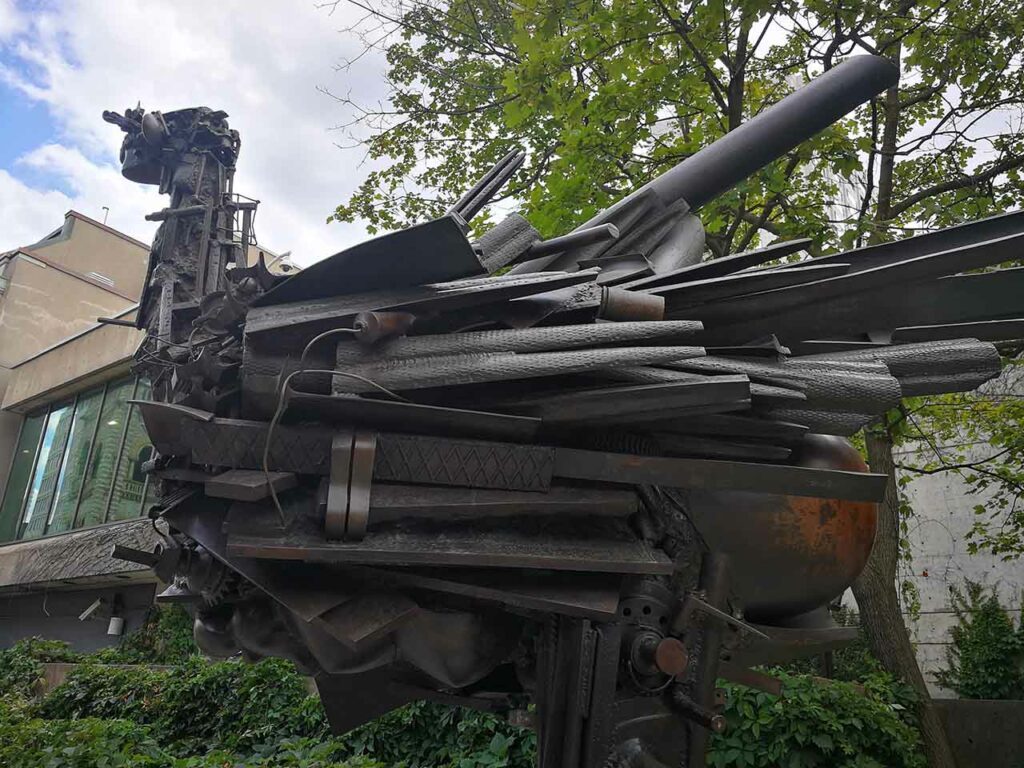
[(47, 469), (106, 449), (21, 470), (78, 463), (130, 482), (76, 459)]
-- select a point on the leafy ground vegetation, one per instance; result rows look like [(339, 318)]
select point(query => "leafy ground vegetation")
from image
[(190, 713)]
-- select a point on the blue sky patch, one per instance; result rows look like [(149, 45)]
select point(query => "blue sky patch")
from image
[(24, 125)]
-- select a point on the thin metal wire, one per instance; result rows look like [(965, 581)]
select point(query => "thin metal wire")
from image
[(282, 404)]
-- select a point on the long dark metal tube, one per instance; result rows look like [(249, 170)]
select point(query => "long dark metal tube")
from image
[(771, 134), (768, 136), (805, 112)]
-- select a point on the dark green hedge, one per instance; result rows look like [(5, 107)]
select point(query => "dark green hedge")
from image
[(199, 715)]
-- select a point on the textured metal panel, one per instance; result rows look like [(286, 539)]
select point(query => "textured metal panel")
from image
[(452, 370), (557, 337), (604, 546), (689, 294), (697, 473), (758, 306), (992, 330), (882, 254), (240, 444), (958, 299), (424, 253), (413, 459), (724, 266)]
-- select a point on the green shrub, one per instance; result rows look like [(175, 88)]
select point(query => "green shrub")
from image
[(426, 734), (165, 638), (819, 723), (262, 708), (853, 663), (236, 715), (29, 742), (21, 664), (986, 657), (195, 705)]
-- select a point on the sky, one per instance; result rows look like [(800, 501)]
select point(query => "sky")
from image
[(262, 61)]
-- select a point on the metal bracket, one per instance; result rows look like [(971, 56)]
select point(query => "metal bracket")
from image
[(347, 511)]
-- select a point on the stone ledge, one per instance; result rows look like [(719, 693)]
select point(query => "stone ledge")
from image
[(81, 557)]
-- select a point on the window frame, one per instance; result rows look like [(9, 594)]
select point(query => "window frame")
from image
[(45, 412)]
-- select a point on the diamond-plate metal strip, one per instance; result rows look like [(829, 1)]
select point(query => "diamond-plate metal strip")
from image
[(241, 445), (468, 463)]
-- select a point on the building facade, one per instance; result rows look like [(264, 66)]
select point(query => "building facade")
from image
[(72, 447), (70, 444)]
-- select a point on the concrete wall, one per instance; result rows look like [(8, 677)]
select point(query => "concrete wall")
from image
[(985, 734), (937, 535), (10, 425), (54, 614), (45, 299), (101, 353), (943, 514)]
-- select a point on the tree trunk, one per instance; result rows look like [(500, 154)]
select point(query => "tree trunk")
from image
[(879, 605)]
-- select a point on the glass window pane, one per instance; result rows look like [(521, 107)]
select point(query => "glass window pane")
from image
[(21, 470), (103, 462), (47, 469), (131, 482), (76, 457)]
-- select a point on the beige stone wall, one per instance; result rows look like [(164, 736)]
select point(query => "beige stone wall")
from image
[(49, 298), (43, 305), (91, 247), (102, 353)]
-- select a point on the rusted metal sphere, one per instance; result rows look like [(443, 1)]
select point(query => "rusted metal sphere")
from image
[(790, 554)]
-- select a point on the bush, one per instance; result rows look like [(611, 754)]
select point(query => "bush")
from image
[(986, 658), (21, 664), (265, 710), (819, 723), (196, 705), (235, 715), (28, 742)]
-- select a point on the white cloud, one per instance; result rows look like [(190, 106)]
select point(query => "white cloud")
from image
[(259, 61), (11, 22)]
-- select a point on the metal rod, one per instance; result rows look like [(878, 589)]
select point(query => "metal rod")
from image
[(577, 239), (484, 180)]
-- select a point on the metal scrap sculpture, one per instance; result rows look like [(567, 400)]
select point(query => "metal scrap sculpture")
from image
[(596, 482)]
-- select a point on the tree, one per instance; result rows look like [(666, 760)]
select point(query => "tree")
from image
[(603, 95), (929, 164)]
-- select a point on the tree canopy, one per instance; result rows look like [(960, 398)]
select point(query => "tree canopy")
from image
[(603, 95)]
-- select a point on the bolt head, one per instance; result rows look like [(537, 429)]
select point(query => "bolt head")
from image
[(671, 656)]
